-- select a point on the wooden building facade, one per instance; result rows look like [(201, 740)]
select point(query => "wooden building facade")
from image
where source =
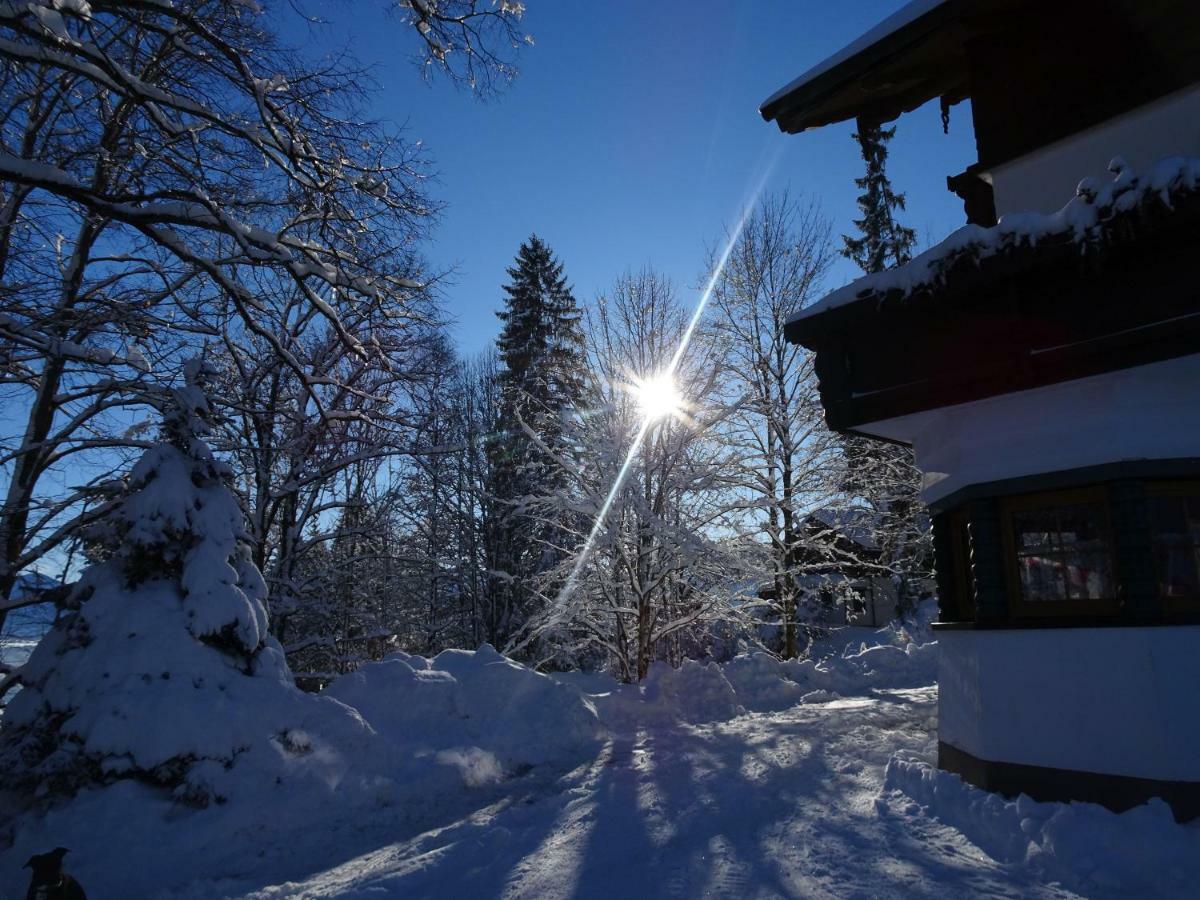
[(1044, 364)]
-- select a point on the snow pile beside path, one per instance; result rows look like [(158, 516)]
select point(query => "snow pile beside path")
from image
[(1086, 847), (425, 741), (695, 693), (873, 668), (895, 657), (764, 683), (485, 714)]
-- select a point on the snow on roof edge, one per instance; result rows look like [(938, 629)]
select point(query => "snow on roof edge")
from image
[(893, 23), (1079, 217)]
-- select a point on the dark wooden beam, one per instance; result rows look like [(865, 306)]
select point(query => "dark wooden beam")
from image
[(1026, 317), (1117, 792)]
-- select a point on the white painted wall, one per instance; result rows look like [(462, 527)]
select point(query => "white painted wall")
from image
[(879, 596), (1118, 701), (1046, 179), (1146, 412)]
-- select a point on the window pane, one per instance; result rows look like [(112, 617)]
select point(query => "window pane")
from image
[(1175, 526), (1036, 530), (1041, 579), (1090, 575), (1063, 553)]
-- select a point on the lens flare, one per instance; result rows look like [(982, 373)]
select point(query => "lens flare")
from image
[(658, 397), (655, 401)]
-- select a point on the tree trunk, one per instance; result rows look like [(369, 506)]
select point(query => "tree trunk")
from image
[(14, 516)]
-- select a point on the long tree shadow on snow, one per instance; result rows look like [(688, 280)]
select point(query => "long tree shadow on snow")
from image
[(763, 806)]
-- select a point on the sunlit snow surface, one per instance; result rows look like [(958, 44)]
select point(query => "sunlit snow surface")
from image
[(753, 779)]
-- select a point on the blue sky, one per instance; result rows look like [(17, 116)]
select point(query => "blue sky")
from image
[(632, 137)]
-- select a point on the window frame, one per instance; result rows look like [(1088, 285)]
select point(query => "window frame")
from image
[(1045, 500), (961, 573)]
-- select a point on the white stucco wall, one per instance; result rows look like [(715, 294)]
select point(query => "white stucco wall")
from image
[(1044, 180), (1146, 412), (1117, 701)]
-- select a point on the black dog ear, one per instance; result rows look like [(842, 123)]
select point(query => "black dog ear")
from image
[(60, 852), (29, 863)]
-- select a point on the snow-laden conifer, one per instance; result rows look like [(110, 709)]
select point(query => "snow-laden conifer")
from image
[(542, 384), (166, 672)]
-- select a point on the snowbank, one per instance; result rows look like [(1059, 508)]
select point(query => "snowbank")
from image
[(764, 683), (429, 740), (895, 657), (477, 710), (1087, 848), (433, 749), (695, 693)]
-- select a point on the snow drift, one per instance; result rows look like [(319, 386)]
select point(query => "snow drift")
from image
[(477, 710), (1085, 847), (897, 656)]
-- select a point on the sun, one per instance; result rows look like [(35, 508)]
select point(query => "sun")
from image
[(658, 397)]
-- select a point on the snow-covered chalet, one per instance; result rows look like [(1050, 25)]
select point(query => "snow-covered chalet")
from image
[(1044, 364)]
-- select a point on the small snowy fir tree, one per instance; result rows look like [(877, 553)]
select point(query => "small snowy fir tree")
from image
[(166, 673), (883, 242)]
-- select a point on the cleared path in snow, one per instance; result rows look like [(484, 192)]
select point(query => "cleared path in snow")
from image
[(767, 805)]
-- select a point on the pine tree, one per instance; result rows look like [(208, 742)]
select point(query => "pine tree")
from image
[(166, 673), (882, 474), (883, 241), (542, 383)]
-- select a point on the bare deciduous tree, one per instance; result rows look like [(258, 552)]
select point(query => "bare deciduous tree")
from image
[(788, 463), (655, 577), (165, 167)]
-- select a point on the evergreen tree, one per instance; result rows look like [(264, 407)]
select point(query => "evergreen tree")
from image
[(542, 384), (166, 672), (883, 242), (882, 474)]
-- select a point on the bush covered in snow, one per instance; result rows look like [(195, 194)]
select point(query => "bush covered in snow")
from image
[(166, 673)]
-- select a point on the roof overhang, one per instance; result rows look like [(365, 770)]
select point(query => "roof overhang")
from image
[(913, 56), (1032, 316)]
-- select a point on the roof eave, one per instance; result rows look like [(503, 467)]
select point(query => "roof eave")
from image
[(807, 104)]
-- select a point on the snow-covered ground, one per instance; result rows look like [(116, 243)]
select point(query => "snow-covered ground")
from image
[(755, 779)]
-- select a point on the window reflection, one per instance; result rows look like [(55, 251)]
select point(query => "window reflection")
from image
[(1063, 553), (1175, 530)]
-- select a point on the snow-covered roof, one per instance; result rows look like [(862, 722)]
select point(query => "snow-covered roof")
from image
[(1082, 220), (908, 13), (856, 523)]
